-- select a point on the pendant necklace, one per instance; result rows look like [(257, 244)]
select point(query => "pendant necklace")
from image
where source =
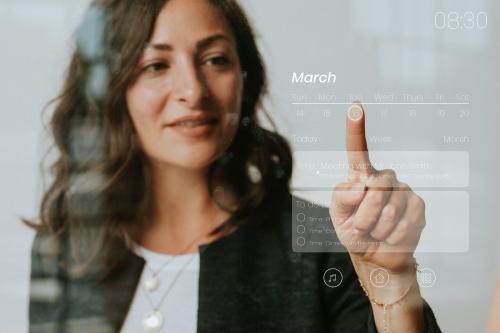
[(153, 282), (153, 321)]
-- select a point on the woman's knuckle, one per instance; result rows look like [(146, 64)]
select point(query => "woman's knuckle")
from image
[(389, 213)]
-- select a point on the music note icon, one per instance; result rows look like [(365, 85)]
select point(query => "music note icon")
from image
[(332, 277)]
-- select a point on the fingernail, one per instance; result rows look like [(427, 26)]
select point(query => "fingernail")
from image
[(355, 112)]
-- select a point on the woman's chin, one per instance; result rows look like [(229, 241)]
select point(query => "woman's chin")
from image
[(192, 162)]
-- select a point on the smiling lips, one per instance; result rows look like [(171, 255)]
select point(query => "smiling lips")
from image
[(194, 125), (194, 120)]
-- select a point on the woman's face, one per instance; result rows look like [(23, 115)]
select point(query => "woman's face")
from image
[(190, 68)]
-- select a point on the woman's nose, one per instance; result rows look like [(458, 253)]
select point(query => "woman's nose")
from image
[(190, 86)]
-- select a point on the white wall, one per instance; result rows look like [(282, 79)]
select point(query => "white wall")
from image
[(35, 38)]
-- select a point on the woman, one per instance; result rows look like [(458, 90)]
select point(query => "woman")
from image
[(170, 210)]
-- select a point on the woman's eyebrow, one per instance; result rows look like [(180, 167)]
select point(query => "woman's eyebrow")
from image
[(205, 42), (201, 44)]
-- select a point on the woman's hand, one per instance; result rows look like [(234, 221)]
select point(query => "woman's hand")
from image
[(377, 218)]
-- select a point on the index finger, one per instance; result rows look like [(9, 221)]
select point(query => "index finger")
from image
[(356, 147)]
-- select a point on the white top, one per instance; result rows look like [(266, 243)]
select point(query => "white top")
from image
[(179, 307)]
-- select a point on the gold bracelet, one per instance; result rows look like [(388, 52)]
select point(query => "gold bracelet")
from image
[(385, 306)]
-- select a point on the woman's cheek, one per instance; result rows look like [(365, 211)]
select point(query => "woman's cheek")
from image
[(147, 96)]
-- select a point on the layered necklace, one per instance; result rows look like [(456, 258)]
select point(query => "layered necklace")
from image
[(154, 320)]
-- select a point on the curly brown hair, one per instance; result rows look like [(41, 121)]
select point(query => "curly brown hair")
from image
[(100, 183)]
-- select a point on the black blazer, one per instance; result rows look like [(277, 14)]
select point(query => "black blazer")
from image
[(250, 281)]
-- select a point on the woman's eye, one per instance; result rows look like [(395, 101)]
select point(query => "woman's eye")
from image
[(156, 67), (218, 61)]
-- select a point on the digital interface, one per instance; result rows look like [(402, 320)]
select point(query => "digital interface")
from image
[(382, 103)]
